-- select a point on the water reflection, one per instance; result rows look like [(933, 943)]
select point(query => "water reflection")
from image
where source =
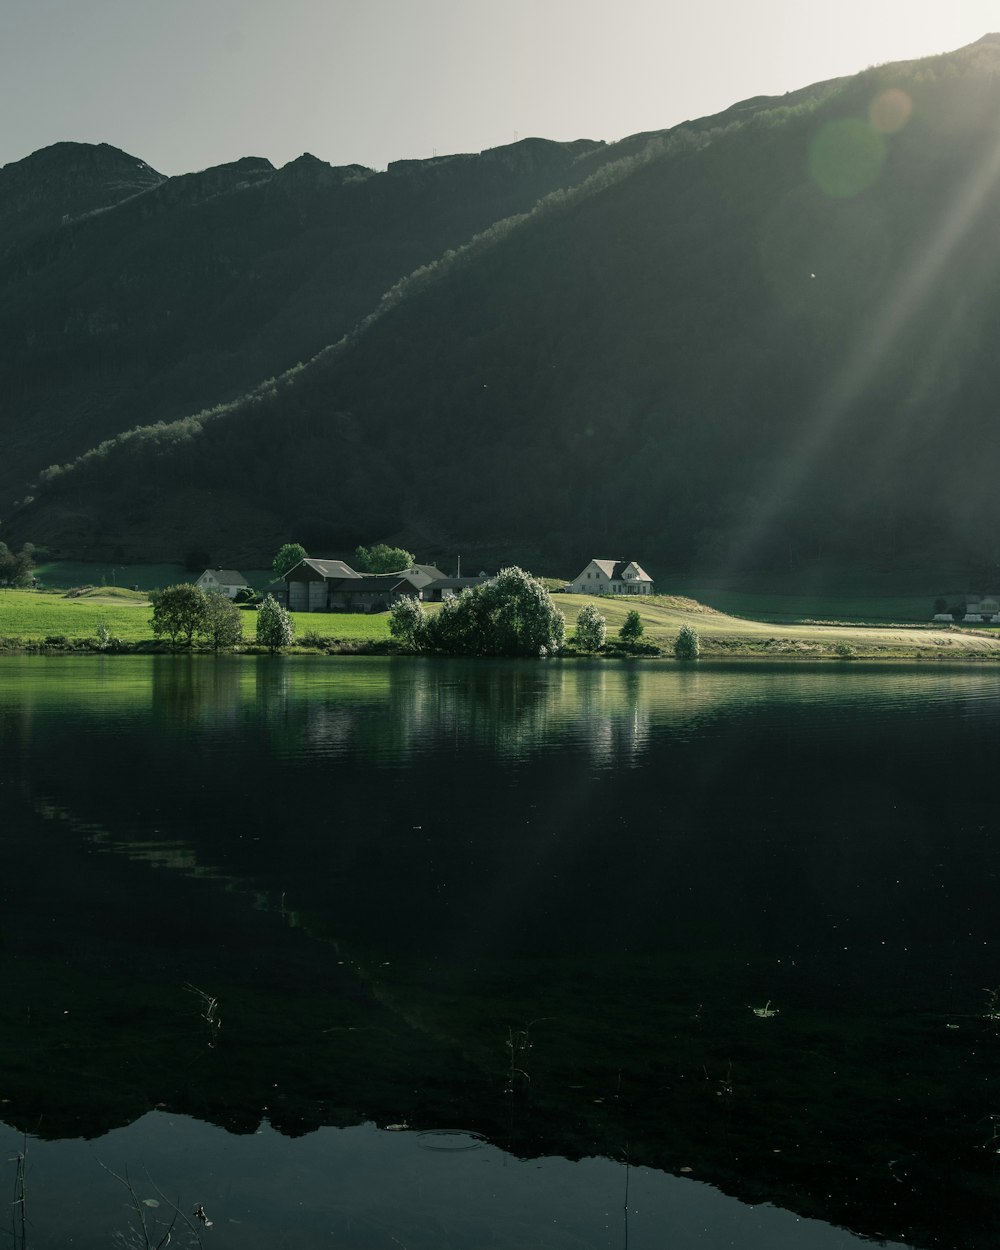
[(384, 870), (377, 1190)]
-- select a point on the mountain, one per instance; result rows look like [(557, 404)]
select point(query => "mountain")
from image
[(761, 340), (64, 182), (127, 297)]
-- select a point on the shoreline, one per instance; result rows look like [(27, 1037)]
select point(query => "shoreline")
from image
[(380, 650)]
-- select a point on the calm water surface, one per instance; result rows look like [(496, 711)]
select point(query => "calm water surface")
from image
[(375, 953)]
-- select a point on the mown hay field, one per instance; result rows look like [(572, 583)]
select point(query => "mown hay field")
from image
[(722, 635)]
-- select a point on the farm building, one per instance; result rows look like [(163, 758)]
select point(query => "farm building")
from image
[(333, 586)]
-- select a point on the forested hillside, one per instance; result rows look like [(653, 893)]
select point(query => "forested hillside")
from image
[(760, 342), (127, 298)]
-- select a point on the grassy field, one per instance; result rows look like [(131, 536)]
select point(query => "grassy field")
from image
[(31, 617), (722, 634)]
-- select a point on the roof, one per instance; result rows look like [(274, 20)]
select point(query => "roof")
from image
[(615, 569), (424, 573), (325, 568), (378, 584), (227, 577)]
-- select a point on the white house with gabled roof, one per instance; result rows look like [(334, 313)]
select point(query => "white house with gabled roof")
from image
[(225, 581), (612, 577)]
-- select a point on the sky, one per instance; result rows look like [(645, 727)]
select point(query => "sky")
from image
[(186, 84)]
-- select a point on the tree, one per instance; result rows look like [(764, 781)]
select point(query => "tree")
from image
[(382, 559), (275, 628), (687, 645), (223, 623), (287, 557), (511, 614), (178, 612), (632, 629), (591, 628), (16, 570), (406, 620)]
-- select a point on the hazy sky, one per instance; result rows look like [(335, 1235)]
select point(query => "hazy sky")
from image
[(185, 84)]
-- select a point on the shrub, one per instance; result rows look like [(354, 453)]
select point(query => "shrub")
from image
[(274, 626), (688, 644), (591, 628), (178, 611), (632, 628), (511, 614), (222, 623), (381, 558), (406, 621)]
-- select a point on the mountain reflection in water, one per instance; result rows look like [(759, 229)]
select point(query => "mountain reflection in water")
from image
[(728, 923)]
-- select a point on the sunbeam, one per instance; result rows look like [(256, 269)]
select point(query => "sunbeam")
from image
[(907, 294)]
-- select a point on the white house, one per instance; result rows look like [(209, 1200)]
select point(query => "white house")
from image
[(978, 611), (612, 577), (227, 581)]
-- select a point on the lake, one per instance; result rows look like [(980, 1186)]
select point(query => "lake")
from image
[(381, 952)]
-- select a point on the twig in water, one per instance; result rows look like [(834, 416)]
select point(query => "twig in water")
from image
[(18, 1210), (209, 1011), (143, 1235), (626, 1195), (519, 1041)]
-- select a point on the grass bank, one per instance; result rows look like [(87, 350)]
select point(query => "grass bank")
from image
[(37, 619)]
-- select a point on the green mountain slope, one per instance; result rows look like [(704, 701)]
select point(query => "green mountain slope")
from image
[(764, 341), (127, 298)]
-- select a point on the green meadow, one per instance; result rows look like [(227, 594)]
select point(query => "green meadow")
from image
[(30, 617), (33, 618)]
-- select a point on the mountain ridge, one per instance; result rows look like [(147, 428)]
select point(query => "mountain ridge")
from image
[(711, 274)]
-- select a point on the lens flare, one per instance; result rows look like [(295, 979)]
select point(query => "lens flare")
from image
[(890, 111), (846, 156)]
